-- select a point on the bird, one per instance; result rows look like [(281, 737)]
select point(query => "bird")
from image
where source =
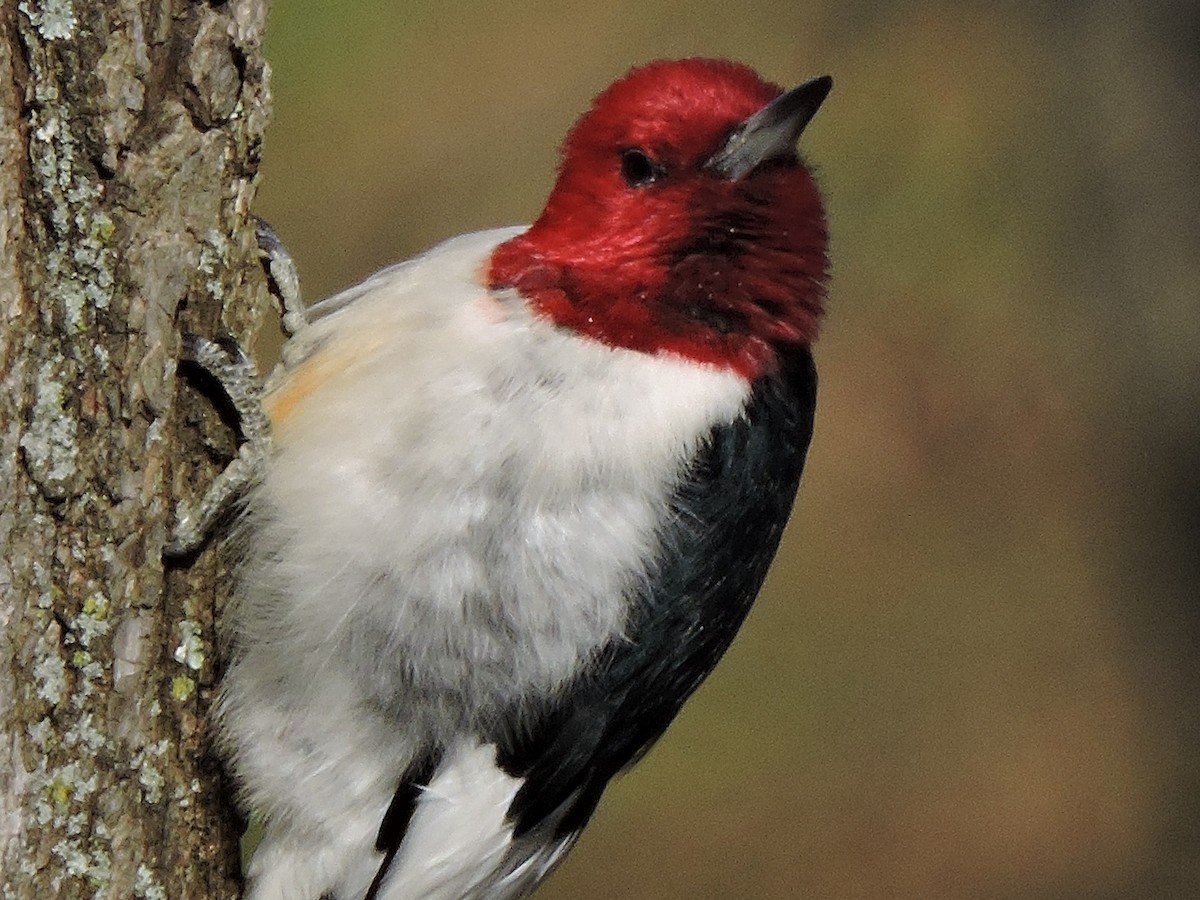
[(521, 493)]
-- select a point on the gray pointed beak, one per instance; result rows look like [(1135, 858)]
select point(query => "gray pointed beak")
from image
[(771, 132)]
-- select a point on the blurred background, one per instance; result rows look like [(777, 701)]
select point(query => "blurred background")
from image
[(973, 672)]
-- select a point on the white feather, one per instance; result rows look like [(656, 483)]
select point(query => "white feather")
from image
[(462, 499), (458, 836)]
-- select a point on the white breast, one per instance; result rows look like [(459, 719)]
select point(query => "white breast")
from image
[(461, 501), (464, 495)]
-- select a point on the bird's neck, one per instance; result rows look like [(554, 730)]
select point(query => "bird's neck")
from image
[(735, 307)]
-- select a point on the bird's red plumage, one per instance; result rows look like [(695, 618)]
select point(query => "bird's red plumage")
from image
[(723, 272)]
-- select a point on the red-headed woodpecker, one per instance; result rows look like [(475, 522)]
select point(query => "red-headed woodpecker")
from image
[(521, 494)]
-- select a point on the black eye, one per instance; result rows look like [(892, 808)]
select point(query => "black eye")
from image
[(638, 169)]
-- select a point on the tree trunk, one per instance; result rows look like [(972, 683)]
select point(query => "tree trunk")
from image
[(130, 133)]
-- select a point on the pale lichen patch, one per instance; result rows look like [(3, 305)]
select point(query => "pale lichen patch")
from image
[(183, 796), (49, 444), (190, 651), (42, 733), (74, 859), (214, 259), (92, 621), (55, 20), (50, 671), (182, 688), (146, 887), (147, 762), (80, 268), (84, 733)]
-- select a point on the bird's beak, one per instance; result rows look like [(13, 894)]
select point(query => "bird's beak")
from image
[(771, 132)]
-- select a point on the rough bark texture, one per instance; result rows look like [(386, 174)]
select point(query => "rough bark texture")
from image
[(129, 139)]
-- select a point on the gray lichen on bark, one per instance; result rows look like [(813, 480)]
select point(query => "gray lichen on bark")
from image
[(129, 138)]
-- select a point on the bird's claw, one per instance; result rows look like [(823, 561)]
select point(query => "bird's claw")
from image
[(235, 372)]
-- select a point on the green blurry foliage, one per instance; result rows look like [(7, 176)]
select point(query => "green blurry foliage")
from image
[(972, 671)]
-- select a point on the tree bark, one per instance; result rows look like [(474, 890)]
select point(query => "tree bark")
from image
[(130, 133)]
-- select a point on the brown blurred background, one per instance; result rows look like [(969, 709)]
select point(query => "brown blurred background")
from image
[(974, 670)]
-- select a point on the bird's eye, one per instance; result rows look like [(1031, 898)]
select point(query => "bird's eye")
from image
[(638, 169)]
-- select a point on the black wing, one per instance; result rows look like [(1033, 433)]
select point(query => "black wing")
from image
[(729, 517)]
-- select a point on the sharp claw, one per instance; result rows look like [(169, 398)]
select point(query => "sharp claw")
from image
[(281, 271), (227, 362), (233, 350)]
